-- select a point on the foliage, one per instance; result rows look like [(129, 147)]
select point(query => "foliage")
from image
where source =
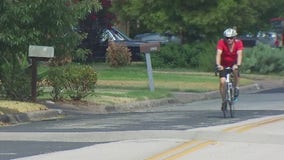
[(56, 79), (77, 81), (23, 24), (263, 59), (38, 22), (171, 56), (80, 81), (205, 59), (118, 55), (196, 19), (15, 79), (95, 23), (200, 56)]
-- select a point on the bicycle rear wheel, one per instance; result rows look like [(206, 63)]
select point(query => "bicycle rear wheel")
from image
[(232, 109), (225, 110), (231, 103)]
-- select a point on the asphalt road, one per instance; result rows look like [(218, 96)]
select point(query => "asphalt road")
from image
[(76, 131)]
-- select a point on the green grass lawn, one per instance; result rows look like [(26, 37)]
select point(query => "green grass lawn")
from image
[(130, 83)]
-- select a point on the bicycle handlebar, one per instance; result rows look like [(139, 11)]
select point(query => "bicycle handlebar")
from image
[(228, 70)]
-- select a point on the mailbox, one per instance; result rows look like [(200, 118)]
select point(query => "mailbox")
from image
[(37, 53), (149, 47), (41, 51)]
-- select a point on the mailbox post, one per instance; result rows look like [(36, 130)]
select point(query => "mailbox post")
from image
[(147, 48), (38, 53)]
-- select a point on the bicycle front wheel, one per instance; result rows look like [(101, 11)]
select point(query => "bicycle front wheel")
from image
[(227, 103)]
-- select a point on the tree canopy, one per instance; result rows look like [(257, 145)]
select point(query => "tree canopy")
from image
[(196, 18), (37, 22), (42, 22)]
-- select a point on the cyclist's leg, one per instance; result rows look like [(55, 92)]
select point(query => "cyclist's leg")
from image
[(222, 87), (236, 82), (236, 78)]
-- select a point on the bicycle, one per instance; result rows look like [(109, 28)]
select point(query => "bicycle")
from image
[(229, 92)]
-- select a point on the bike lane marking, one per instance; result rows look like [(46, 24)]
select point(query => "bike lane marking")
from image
[(183, 150), (246, 127), (173, 150), (192, 149)]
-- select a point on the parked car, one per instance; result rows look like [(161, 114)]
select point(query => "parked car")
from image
[(249, 40), (271, 38), (157, 37), (262, 37), (98, 47)]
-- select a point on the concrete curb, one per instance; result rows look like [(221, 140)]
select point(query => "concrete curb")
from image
[(185, 97), (141, 105), (31, 116), (115, 108)]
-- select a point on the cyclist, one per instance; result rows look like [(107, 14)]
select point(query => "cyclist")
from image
[(229, 54)]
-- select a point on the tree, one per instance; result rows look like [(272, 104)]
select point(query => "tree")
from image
[(95, 23), (44, 22), (194, 19), (37, 22)]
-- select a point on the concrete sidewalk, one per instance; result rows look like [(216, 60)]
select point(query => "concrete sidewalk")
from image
[(255, 139)]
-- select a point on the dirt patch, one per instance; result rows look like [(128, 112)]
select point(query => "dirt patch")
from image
[(9, 107)]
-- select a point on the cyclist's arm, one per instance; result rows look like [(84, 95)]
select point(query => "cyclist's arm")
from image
[(239, 53), (239, 60), (240, 57), (218, 59)]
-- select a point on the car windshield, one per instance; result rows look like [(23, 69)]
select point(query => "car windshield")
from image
[(107, 35), (114, 34), (118, 35)]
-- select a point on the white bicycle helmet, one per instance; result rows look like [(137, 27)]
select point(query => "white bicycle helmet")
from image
[(230, 32)]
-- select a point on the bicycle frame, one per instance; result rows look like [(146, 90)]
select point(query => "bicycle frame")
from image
[(229, 83), (229, 91)]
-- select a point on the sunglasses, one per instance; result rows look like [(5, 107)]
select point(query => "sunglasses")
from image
[(229, 37)]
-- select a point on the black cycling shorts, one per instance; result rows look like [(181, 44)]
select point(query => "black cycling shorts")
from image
[(222, 73)]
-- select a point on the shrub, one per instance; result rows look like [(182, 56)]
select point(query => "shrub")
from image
[(199, 56), (56, 79), (118, 55), (15, 79), (263, 59), (80, 81), (170, 56), (77, 81), (205, 57)]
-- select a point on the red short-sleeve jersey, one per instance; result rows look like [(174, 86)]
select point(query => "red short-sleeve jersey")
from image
[(228, 59)]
